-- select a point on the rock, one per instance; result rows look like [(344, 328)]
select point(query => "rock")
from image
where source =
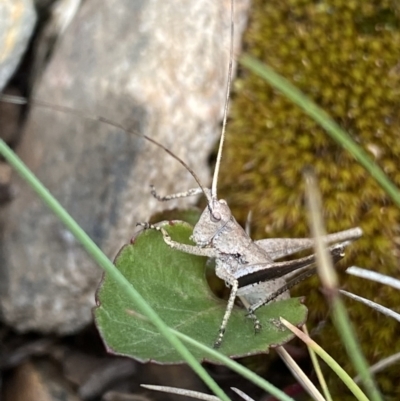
[(120, 396), (157, 67), (93, 375), (56, 17), (18, 21), (43, 4), (5, 180), (10, 117), (37, 381)]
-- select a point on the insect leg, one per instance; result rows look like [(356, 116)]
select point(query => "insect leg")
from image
[(281, 247), (298, 279), (190, 192), (337, 253), (192, 249), (235, 285)]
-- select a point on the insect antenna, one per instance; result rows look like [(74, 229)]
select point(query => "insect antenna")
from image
[(225, 115), (92, 117)]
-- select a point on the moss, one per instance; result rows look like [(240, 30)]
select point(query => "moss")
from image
[(344, 55)]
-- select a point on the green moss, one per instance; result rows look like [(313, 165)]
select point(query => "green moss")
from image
[(345, 55)]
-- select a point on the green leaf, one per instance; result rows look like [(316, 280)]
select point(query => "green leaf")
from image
[(189, 215), (174, 284)]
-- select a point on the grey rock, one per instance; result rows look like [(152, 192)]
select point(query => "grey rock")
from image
[(157, 67), (37, 380), (44, 4), (55, 19), (18, 18)]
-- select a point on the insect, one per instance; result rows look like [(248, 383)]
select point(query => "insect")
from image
[(250, 268)]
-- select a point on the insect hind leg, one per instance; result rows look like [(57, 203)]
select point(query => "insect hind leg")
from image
[(271, 297)]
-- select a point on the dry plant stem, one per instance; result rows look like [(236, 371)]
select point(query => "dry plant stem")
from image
[(373, 305), (327, 276), (181, 391), (318, 371), (374, 276), (241, 394), (330, 283), (299, 375), (382, 364), (346, 379)]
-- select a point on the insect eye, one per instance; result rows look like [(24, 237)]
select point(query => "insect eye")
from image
[(215, 217)]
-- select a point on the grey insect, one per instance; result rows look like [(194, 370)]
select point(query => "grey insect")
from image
[(250, 268)]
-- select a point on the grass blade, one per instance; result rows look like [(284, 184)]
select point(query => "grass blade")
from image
[(329, 281), (102, 260), (346, 379)]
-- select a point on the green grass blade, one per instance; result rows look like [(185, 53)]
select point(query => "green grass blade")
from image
[(322, 118), (344, 377), (347, 334), (318, 370), (97, 255), (248, 374), (329, 280)]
